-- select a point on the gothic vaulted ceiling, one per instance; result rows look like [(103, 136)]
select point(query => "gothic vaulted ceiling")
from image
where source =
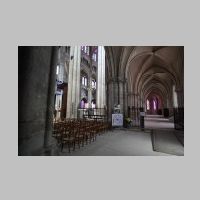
[(147, 69)]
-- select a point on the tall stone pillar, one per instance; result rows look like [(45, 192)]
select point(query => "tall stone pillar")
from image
[(37, 73), (144, 104), (129, 99), (101, 78), (171, 104), (165, 103), (132, 99), (90, 92), (131, 103), (112, 97), (136, 100), (180, 98), (125, 94), (141, 102), (61, 63), (175, 99), (73, 98), (168, 102), (48, 139), (121, 95), (90, 79)]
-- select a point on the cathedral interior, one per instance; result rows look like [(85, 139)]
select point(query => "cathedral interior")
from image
[(100, 100)]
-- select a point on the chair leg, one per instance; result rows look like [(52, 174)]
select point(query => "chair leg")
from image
[(69, 147), (95, 136), (62, 147), (78, 143), (74, 143), (83, 142), (90, 138), (86, 139)]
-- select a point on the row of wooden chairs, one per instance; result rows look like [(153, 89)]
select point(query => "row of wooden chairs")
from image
[(75, 131)]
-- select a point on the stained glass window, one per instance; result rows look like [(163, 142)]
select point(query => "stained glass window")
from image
[(154, 104), (148, 106), (57, 70), (94, 57), (84, 81)]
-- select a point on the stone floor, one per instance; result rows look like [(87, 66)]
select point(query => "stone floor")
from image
[(125, 142), (117, 143), (158, 122)]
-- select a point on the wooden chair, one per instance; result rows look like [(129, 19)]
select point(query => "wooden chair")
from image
[(57, 131), (68, 137), (80, 136), (87, 135)]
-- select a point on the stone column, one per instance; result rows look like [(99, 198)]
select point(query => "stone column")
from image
[(89, 86), (137, 108), (61, 63), (89, 91), (132, 97), (121, 95), (180, 98), (129, 99), (165, 103), (112, 98), (125, 98), (36, 84), (171, 104), (48, 139), (175, 99), (73, 98), (144, 105), (132, 106), (101, 78), (141, 102)]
